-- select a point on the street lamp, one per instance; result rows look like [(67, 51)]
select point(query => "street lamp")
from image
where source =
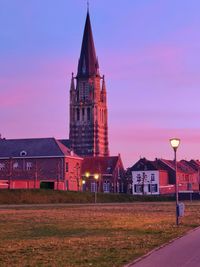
[(96, 177), (87, 174), (175, 143)]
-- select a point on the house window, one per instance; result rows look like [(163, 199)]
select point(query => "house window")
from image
[(138, 178), (106, 187), (152, 177), (66, 166), (2, 166), (29, 166), (15, 165), (138, 188), (153, 188), (93, 187)]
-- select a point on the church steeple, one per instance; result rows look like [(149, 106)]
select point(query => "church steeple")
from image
[(88, 108), (88, 62)]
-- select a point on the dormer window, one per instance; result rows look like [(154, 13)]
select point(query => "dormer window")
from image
[(2, 166), (23, 153)]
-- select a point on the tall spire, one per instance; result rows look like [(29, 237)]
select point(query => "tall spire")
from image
[(88, 63), (88, 5)]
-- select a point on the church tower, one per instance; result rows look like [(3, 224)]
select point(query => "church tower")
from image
[(88, 107)]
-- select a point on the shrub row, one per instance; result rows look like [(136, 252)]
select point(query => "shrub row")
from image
[(52, 196)]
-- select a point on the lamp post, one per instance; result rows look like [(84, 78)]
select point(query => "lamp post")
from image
[(175, 143), (96, 177)]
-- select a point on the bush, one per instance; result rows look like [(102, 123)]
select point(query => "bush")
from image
[(41, 196)]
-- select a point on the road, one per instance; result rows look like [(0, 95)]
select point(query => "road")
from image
[(183, 252)]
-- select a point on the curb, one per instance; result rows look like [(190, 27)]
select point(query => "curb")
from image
[(158, 248)]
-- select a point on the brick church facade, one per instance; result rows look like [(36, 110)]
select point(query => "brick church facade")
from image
[(88, 105)]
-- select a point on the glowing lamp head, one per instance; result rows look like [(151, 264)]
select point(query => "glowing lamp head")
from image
[(83, 182), (87, 174), (175, 143), (96, 176)]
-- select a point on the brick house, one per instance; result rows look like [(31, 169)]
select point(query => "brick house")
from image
[(38, 163), (187, 175), (158, 176), (150, 178), (109, 171)]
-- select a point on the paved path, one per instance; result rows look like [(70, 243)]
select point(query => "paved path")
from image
[(183, 252)]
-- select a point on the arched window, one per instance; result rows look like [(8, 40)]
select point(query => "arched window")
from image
[(83, 114), (77, 114), (77, 96), (88, 114)]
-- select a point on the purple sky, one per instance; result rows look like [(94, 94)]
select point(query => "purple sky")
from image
[(149, 52)]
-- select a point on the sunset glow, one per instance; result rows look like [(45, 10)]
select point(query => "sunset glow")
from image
[(148, 51)]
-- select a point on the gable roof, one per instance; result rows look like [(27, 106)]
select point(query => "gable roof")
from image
[(65, 142), (103, 165), (146, 165), (194, 164), (186, 166), (33, 147)]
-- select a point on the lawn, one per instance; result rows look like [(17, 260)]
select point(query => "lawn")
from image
[(88, 235)]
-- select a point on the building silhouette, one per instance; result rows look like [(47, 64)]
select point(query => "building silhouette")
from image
[(88, 105)]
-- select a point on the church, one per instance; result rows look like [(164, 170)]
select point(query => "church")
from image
[(88, 105), (89, 121), (81, 162)]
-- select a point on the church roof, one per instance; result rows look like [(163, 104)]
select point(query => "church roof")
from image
[(32, 147), (88, 62)]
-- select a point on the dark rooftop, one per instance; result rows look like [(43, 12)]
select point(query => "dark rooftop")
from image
[(103, 165), (33, 147)]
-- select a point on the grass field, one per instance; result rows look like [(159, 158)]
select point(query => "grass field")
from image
[(88, 235)]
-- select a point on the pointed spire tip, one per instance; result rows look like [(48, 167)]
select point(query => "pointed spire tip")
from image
[(88, 6)]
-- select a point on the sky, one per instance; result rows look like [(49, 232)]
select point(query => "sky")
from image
[(149, 52)]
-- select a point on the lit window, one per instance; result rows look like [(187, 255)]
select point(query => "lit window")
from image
[(2, 166), (29, 166)]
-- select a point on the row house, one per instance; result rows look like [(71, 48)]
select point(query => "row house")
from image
[(149, 178), (187, 176), (38, 163), (103, 174), (158, 176)]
